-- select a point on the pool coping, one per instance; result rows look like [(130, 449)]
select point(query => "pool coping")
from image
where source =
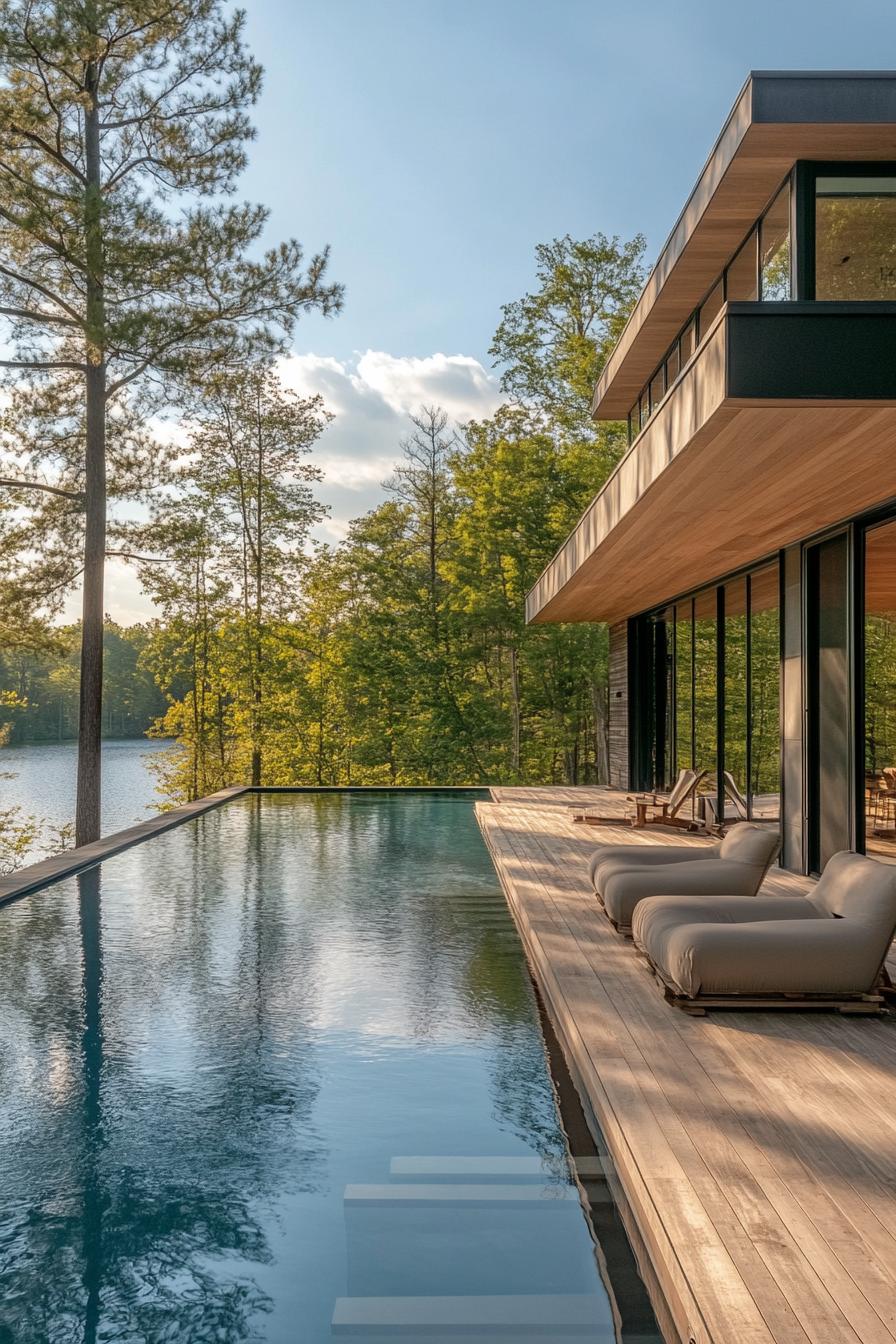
[(25, 881)]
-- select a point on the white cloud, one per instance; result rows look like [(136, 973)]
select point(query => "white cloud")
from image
[(457, 383), (370, 398)]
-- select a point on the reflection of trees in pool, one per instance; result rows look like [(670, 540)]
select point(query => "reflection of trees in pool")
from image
[(151, 1171)]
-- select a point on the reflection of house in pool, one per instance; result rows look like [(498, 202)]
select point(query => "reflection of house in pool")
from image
[(744, 550)]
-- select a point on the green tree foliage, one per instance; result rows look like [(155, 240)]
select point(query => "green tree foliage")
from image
[(402, 655), (124, 266), (553, 343), (39, 696), (230, 554)]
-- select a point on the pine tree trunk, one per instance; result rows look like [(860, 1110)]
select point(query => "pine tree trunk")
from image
[(516, 714), (90, 711)]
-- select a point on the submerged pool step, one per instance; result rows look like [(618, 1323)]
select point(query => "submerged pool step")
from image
[(489, 1168), (457, 1193), (533, 1316)]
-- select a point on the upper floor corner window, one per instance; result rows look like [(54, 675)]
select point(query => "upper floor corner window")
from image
[(673, 365), (774, 248), (657, 389), (687, 342), (741, 277), (710, 308), (855, 237)]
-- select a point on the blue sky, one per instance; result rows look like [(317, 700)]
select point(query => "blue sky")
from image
[(433, 143)]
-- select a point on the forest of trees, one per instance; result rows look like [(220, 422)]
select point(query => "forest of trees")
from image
[(401, 655), (133, 289)]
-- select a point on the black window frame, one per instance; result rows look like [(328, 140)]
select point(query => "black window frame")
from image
[(806, 175)]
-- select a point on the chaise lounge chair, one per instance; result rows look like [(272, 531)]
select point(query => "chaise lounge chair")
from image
[(666, 807), (623, 875), (825, 949)]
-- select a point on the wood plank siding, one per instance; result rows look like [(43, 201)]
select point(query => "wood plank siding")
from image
[(618, 718)]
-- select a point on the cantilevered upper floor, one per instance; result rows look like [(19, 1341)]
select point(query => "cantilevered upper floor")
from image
[(756, 373)]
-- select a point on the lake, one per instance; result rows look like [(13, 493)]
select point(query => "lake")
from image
[(43, 782)]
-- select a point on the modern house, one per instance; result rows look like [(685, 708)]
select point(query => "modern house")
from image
[(744, 550)]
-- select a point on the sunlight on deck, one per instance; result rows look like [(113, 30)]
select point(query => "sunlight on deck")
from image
[(757, 1151)]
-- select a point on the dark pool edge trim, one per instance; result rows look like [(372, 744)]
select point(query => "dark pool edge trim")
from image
[(648, 1254), (46, 872)]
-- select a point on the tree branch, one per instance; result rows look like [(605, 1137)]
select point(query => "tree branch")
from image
[(51, 153), (43, 365), (142, 559), (13, 484), (32, 315), (40, 289)]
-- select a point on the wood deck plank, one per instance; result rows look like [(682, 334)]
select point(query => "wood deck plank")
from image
[(757, 1152)]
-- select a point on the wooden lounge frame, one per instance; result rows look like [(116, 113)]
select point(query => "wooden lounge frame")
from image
[(866, 1005), (666, 807)]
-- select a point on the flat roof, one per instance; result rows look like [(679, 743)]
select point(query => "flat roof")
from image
[(778, 118)]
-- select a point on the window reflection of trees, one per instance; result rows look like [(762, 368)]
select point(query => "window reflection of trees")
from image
[(880, 690), (855, 247), (706, 686)]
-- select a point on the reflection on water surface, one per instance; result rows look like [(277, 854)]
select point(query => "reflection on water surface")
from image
[(218, 1053)]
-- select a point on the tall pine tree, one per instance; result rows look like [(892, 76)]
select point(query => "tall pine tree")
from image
[(123, 265)]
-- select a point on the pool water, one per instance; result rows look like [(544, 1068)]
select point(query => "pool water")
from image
[(278, 1075)]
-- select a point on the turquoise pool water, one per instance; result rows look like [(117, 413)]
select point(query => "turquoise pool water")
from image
[(259, 1081)]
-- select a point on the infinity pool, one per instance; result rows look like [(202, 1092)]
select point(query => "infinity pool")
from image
[(278, 1075)]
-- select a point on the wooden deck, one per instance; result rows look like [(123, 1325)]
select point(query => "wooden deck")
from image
[(756, 1151)]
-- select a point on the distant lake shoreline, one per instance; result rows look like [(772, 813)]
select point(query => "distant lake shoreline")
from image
[(40, 779)]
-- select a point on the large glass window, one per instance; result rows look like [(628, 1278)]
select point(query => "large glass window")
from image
[(684, 696), (735, 699), (673, 365), (764, 783), (880, 691), (855, 238), (741, 277), (710, 309), (774, 248), (684, 685), (688, 341), (657, 390), (705, 687)]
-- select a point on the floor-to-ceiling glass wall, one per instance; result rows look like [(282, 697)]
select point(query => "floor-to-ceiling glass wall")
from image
[(706, 687), (715, 664), (764, 772), (736, 721), (879, 709)]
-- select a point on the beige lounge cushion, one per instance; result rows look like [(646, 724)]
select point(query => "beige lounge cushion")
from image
[(747, 842), (782, 956), (656, 920), (833, 941), (646, 856), (859, 889), (621, 886), (747, 845)]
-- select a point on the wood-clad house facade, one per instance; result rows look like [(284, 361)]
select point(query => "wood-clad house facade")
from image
[(744, 550)]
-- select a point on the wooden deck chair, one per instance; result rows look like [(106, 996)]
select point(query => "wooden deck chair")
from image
[(655, 809), (734, 795), (667, 807)]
